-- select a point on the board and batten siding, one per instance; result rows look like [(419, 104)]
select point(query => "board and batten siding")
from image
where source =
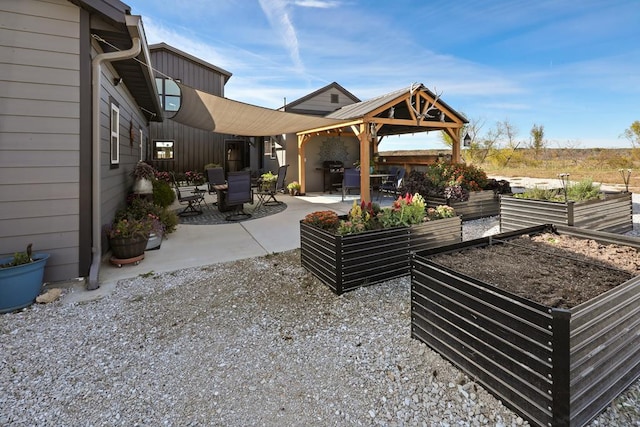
[(39, 131), (193, 147)]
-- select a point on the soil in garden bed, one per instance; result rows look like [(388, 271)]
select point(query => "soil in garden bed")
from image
[(555, 270)]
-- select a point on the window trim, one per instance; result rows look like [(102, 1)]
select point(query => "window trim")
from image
[(153, 149), (114, 135)]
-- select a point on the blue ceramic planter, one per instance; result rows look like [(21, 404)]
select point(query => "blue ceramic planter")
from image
[(20, 285)]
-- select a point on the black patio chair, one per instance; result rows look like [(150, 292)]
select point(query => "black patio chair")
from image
[(193, 201), (267, 196), (393, 184), (238, 193), (350, 179), (215, 176)]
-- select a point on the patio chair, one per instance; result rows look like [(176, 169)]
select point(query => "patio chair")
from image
[(215, 176), (350, 179), (193, 201), (267, 196), (393, 185), (238, 193)]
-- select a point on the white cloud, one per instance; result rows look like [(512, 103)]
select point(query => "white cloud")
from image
[(280, 21)]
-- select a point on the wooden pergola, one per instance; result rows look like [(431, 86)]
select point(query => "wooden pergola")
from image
[(410, 110)]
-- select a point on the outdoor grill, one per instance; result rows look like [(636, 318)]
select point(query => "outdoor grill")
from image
[(332, 171)]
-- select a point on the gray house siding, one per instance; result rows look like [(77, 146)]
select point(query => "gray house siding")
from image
[(40, 132), (317, 148), (116, 179), (193, 148)]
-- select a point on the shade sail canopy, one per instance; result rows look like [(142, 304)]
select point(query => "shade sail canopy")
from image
[(206, 111)]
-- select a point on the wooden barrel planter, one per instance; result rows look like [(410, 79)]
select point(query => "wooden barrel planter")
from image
[(481, 204), (553, 366), (348, 262), (613, 213)]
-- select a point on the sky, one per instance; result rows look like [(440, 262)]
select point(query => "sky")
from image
[(570, 66)]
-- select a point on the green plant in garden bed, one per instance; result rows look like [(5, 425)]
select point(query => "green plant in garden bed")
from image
[(579, 191), (452, 181)]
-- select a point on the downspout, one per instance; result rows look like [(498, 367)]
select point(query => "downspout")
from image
[(96, 229)]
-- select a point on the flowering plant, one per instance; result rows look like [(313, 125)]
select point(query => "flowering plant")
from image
[(405, 211), (327, 220), (143, 170), (440, 212), (194, 177), (361, 217), (163, 176)]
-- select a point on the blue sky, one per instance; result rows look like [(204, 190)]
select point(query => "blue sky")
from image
[(570, 66)]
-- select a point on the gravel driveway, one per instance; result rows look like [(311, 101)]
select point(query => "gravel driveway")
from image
[(251, 342)]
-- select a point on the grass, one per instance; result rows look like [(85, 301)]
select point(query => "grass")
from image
[(599, 165)]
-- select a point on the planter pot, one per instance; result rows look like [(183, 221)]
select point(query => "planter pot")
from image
[(143, 186), (20, 285), (553, 366), (155, 240), (481, 204), (125, 248), (612, 214), (348, 262)]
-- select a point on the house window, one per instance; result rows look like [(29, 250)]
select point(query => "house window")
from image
[(335, 98), (169, 94), (163, 150), (115, 134)]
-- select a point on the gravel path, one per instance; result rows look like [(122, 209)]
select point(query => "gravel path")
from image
[(251, 342)]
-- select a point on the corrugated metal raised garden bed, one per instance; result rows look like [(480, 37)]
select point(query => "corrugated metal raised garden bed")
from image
[(481, 204), (347, 262), (556, 360), (613, 213)]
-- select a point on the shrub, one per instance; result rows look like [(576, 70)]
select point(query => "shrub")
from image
[(163, 194)]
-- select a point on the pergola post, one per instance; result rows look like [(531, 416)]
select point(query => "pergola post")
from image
[(302, 162)]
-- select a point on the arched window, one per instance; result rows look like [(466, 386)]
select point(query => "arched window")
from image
[(169, 94)]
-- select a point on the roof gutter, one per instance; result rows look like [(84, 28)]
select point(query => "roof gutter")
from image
[(134, 26)]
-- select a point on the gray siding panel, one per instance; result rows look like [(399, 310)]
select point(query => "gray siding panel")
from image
[(39, 149), (193, 147)]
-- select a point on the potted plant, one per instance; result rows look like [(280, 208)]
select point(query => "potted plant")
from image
[(267, 181), (21, 279), (164, 220), (144, 175), (294, 188), (128, 238), (371, 245), (194, 178)]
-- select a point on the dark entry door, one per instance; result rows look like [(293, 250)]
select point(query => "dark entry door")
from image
[(236, 156)]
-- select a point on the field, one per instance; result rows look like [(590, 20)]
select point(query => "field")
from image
[(600, 165)]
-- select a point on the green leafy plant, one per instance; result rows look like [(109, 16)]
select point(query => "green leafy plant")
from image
[(20, 258), (129, 228), (580, 191), (163, 194), (583, 190), (405, 211), (295, 185)]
